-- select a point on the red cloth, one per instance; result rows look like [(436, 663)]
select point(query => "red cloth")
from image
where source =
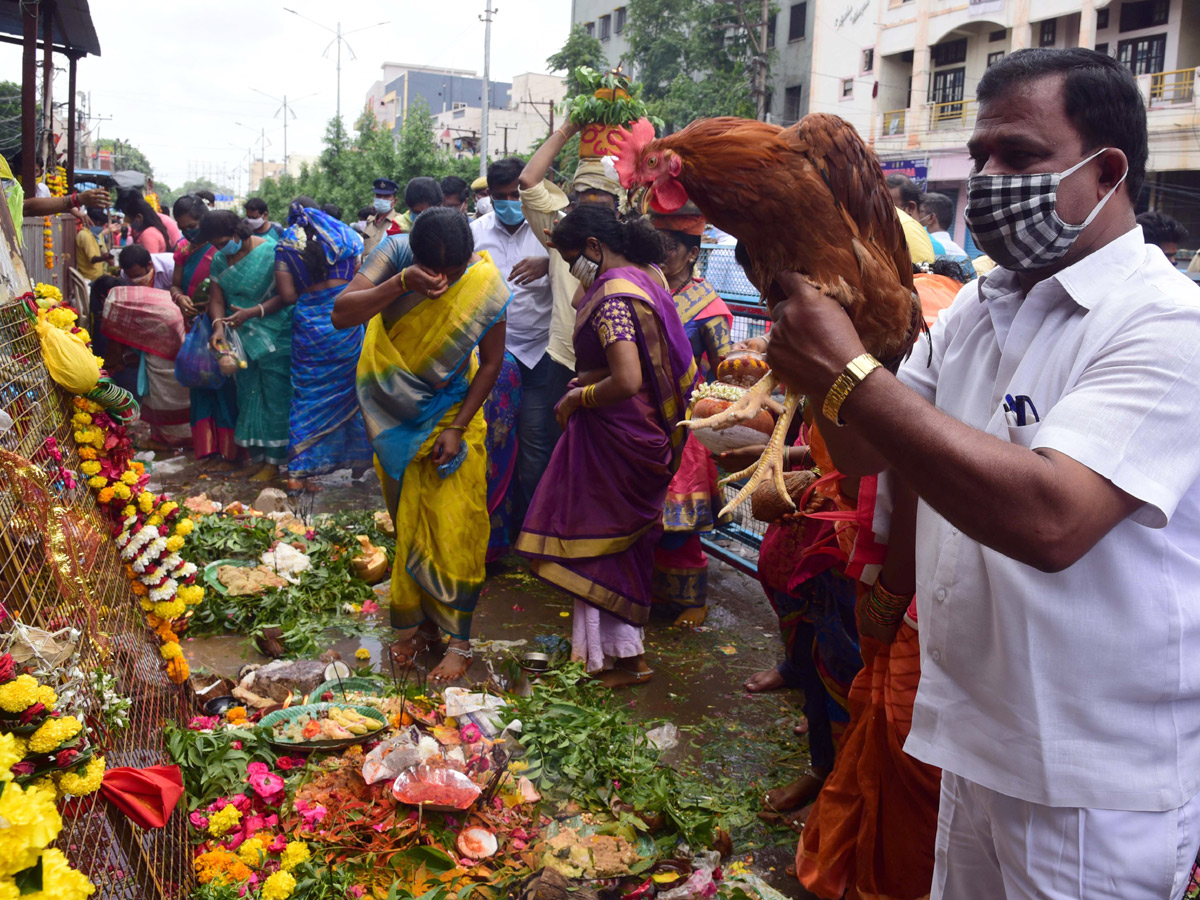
[(146, 796), (144, 318)]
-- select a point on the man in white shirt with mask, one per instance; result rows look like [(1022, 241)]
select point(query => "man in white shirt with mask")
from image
[(1051, 437)]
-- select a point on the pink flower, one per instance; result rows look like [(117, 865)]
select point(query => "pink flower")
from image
[(235, 840), (470, 733), (287, 763), (8, 668), (312, 815), (369, 607), (357, 892), (237, 745), (204, 723), (198, 820), (253, 824), (23, 768), (268, 786), (277, 845), (219, 804), (257, 768), (241, 802)]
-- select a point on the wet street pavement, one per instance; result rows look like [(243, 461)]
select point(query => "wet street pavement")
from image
[(742, 743)]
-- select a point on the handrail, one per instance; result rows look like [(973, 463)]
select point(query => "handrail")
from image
[(893, 121), (954, 111), (1176, 86)]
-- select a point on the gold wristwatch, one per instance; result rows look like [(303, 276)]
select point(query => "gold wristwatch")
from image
[(852, 376)]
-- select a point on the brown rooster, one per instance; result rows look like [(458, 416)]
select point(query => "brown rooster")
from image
[(810, 199)]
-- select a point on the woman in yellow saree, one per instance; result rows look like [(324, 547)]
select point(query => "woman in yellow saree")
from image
[(433, 349)]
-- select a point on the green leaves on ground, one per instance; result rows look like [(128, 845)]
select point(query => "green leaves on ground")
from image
[(211, 762)]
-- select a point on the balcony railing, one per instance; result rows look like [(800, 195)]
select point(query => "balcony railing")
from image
[(893, 122), (956, 114), (1178, 86)]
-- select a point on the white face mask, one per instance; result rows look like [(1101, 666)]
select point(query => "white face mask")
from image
[(1014, 218), (483, 206), (255, 224), (585, 270)]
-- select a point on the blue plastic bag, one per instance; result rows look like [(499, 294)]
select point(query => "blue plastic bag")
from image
[(196, 365)]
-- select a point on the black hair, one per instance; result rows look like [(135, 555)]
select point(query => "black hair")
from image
[(98, 293), (207, 196), (97, 215), (1159, 228), (366, 212), (1100, 94), (332, 209), (422, 190), (305, 201), (943, 265), (909, 192), (941, 206), (134, 204), (135, 255), (453, 186), (256, 204), (189, 205), (504, 171), (218, 223), (441, 238), (690, 241), (635, 238)]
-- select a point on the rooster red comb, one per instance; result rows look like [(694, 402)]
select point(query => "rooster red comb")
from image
[(631, 144)]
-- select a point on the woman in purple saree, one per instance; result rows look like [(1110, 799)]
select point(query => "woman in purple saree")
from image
[(597, 516)]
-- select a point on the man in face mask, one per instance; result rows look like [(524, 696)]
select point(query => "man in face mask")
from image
[(523, 260), (141, 267), (483, 203), (1049, 428), (385, 219), (259, 219), (90, 254)]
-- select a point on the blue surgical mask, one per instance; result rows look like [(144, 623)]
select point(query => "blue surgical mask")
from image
[(382, 207), (191, 233), (509, 211), (232, 246), (96, 229)]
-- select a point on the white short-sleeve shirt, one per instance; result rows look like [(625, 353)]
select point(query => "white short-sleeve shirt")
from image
[(1079, 688), (529, 314)]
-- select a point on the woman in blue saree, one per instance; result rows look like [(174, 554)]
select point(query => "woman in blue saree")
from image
[(434, 345), (313, 262)]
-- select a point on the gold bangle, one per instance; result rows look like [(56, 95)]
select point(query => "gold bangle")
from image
[(852, 376), (589, 396), (403, 283), (455, 428)]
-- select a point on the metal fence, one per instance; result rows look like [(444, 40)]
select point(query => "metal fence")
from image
[(737, 542), (47, 530)]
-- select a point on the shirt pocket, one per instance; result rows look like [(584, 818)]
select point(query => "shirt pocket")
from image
[(1023, 434)]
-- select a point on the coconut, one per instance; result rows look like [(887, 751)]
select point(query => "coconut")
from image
[(477, 843)]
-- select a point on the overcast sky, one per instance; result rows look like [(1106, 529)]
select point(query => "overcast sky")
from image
[(174, 77)]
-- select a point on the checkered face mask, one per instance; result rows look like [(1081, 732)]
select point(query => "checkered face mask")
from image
[(1014, 218)]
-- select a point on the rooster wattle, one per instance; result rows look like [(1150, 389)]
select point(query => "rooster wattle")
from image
[(810, 199)]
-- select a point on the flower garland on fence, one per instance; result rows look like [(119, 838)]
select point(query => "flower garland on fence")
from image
[(57, 182), (149, 530)]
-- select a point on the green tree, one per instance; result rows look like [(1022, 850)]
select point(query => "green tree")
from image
[(10, 119), (417, 153), (126, 156), (581, 49), (691, 58)]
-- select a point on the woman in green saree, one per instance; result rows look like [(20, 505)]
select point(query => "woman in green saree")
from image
[(242, 278), (433, 349)]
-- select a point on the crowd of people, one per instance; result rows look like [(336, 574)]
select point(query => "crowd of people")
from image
[(518, 380)]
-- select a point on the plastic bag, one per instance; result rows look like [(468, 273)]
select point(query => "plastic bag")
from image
[(230, 354), (70, 362), (196, 365)]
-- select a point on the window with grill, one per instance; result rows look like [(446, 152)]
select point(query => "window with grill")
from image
[(793, 97), (590, 28), (994, 58), (1144, 56), (619, 24), (868, 60), (950, 52), (1144, 14), (797, 21), (947, 87), (1101, 19), (1049, 33), (771, 30), (847, 88), (605, 27)]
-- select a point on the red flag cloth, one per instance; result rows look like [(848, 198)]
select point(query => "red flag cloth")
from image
[(147, 796)]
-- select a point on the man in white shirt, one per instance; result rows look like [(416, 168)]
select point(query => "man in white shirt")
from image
[(937, 212), (1052, 441), (524, 262), (140, 266)]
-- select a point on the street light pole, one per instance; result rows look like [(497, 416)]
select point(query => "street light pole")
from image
[(488, 11), (286, 109)]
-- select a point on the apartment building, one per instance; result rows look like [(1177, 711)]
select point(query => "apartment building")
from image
[(530, 117), (607, 21), (442, 89)]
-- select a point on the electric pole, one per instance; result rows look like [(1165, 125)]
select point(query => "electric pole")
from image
[(507, 129), (758, 34), (488, 11), (286, 109)]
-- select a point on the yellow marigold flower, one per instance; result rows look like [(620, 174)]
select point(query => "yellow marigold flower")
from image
[(54, 733), (184, 527), (169, 609), (91, 467), (362, 653), (11, 753), (220, 822), (129, 477), (129, 510), (33, 822), (122, 491), (174, 543), (252, 853), (87, 453), (18, 695), (295, 853), (82, 419), (170, 650), (278, 886), (154, 520), (47, 697), (60, 881), (97, 481), (178, 670), (145, 501), (80, 785)]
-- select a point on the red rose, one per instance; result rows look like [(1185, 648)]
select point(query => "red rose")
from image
[(8, 668), (23, 768), (32, 713), (65, 758)]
